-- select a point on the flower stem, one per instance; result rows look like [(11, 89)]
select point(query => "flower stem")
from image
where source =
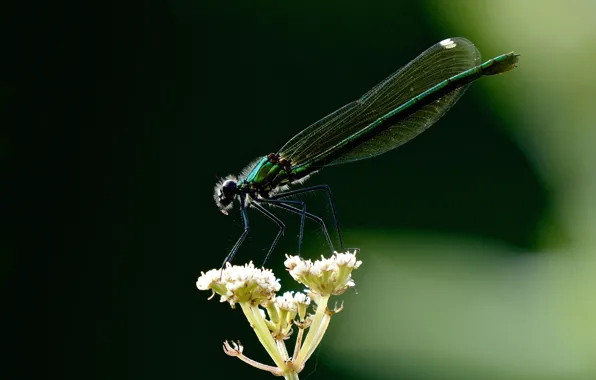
[(313, 338), (318, 336), (291, 376), (257, 322), (298, 342), (281, 347), (235, 349)]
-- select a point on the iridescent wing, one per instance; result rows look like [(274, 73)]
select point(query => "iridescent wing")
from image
[(437, 64)]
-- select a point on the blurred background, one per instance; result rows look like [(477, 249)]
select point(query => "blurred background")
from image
[(117, 119)]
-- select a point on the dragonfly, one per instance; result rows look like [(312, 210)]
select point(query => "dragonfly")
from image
[(392, 113)]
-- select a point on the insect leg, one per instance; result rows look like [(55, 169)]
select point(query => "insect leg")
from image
[(302, 216), (331, 203), (242, 237), (310, 216), (281, 225)]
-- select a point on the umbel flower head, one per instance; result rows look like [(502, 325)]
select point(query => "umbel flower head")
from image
[(273, 317), (331, 276), (240, 284)]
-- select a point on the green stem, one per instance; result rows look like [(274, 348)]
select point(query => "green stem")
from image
[(257, 322), (291, 376), (318, 336), (298, 343), (313, 335), (281, 347)]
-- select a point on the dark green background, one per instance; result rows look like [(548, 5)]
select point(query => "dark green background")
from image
[(117, 120)]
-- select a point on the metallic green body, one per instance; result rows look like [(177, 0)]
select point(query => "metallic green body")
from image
[(267, 176)]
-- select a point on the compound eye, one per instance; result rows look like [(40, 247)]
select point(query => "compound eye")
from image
[(229, 188)]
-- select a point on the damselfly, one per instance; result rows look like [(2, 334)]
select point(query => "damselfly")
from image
[(395, 111)]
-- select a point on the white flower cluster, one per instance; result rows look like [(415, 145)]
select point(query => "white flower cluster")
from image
[(254, 290), (241, 284), (283, 310), (330, 276), (286, 302)]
